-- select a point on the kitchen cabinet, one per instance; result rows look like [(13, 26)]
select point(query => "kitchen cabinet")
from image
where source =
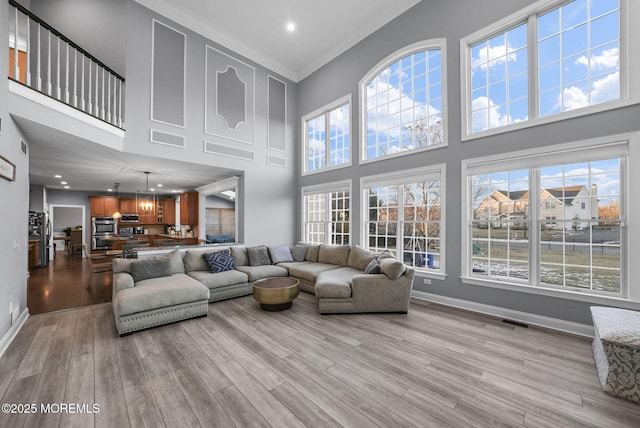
[(189, 208), (128, 206), (168, 212), (103, 206)]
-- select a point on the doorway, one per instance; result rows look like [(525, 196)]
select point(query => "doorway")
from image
[(63, 219)]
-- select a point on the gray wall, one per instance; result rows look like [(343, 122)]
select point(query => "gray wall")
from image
[(15, 197), (450, 20)]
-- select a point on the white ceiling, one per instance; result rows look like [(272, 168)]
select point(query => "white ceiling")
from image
[(252, 28), (256, 28)]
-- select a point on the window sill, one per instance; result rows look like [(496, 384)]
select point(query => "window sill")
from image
[(421, 273), (331, 168), (562, 294), (402, 153)]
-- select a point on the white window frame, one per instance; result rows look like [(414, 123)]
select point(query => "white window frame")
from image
[(382, 65), (346, 100), (430, 173), (336, 186), (604, 147), (629, 67)]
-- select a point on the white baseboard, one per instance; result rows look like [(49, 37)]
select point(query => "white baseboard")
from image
[(13, 331), (510, 314)]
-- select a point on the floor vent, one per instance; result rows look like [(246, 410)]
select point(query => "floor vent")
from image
[(519, 324)]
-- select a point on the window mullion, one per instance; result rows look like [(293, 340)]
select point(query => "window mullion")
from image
[(534, 230), (327, 145), (400, 224), (532, 44)]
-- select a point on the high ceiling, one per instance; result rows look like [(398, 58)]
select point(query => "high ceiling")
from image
[(253, 28), (257, 28)]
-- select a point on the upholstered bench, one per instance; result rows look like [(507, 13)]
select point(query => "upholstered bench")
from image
[(616, 351)]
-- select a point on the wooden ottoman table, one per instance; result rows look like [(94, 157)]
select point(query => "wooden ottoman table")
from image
[(275, 294)]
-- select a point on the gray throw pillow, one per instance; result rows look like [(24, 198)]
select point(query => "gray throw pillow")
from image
[(239, 254), (372, 267), (392, 268), (258, 256), (299, 251), (280, 254), (154, 267)]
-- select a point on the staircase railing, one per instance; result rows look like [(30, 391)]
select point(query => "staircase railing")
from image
[(43, 59)]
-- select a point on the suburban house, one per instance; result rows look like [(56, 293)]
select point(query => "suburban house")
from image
[(420, 128)]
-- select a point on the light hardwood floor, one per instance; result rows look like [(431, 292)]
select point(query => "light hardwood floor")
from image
[(241, 366)]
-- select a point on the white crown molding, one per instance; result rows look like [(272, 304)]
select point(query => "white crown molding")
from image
[(178, 16)]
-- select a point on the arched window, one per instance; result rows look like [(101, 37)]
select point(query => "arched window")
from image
[(403, 102)]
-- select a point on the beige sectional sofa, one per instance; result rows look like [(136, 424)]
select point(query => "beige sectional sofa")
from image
[(179, 285)]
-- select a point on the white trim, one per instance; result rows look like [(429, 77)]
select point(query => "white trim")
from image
[(325, 110), (13, 331), (510, 314), (424, 45), (621, 145), (252, 86), (184, 74), (325, 188), (60, 107), (629, 66), (397, 178), (286, 103), (152, 130)]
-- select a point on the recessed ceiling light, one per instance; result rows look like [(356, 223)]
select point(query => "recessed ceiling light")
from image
[(66, 187), (159, 185), (291, 27), (109, 190), (152, 189), (63, 182), (57, 176)]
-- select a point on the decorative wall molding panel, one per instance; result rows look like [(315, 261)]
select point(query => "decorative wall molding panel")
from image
[(276, 161), (168, 74), (277, 114), (167, 138), (229, 97), (233, 152)]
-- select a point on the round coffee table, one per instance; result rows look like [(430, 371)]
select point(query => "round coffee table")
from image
[(275, 294)]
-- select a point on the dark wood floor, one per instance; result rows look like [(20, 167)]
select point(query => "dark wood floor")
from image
[(240, 366), (66, 283)]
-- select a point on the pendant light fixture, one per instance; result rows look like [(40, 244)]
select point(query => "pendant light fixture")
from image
[(146, 200), (117, 214)]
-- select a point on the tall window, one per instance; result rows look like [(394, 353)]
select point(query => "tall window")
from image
[(327, 137), (403, 102), (552, 220), (404, 216), (574, 65), (326, 214)]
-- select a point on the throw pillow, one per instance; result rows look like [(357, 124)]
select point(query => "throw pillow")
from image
[(239, 254), (392, 268), (359, 258), (372, 267), (299, 251), (312, 253), (154, 267), (280, 254), (193, 261), (258, 256), (220, 261)]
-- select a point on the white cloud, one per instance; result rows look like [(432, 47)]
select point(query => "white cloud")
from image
[(316, 146), (602, 90), (496, 118), (610, 58), (495, 54)]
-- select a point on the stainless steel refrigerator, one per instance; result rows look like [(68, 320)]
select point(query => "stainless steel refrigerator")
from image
[(40, 230)]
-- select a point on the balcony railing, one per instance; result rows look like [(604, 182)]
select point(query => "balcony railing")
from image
[(43, 59)]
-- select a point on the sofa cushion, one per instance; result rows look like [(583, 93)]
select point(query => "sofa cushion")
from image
[(334, 254), (177, 264), (393, 268), (336, 283), (298, 252), (122, 265), (372, 267), (194, 260), (219, 261), (154, 267), (312, 253), (359, 257), (220, 279), (239, 254), (288, 265), (158, 293), (259, 272), (280, 254), (310, 271), (258, 256)]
